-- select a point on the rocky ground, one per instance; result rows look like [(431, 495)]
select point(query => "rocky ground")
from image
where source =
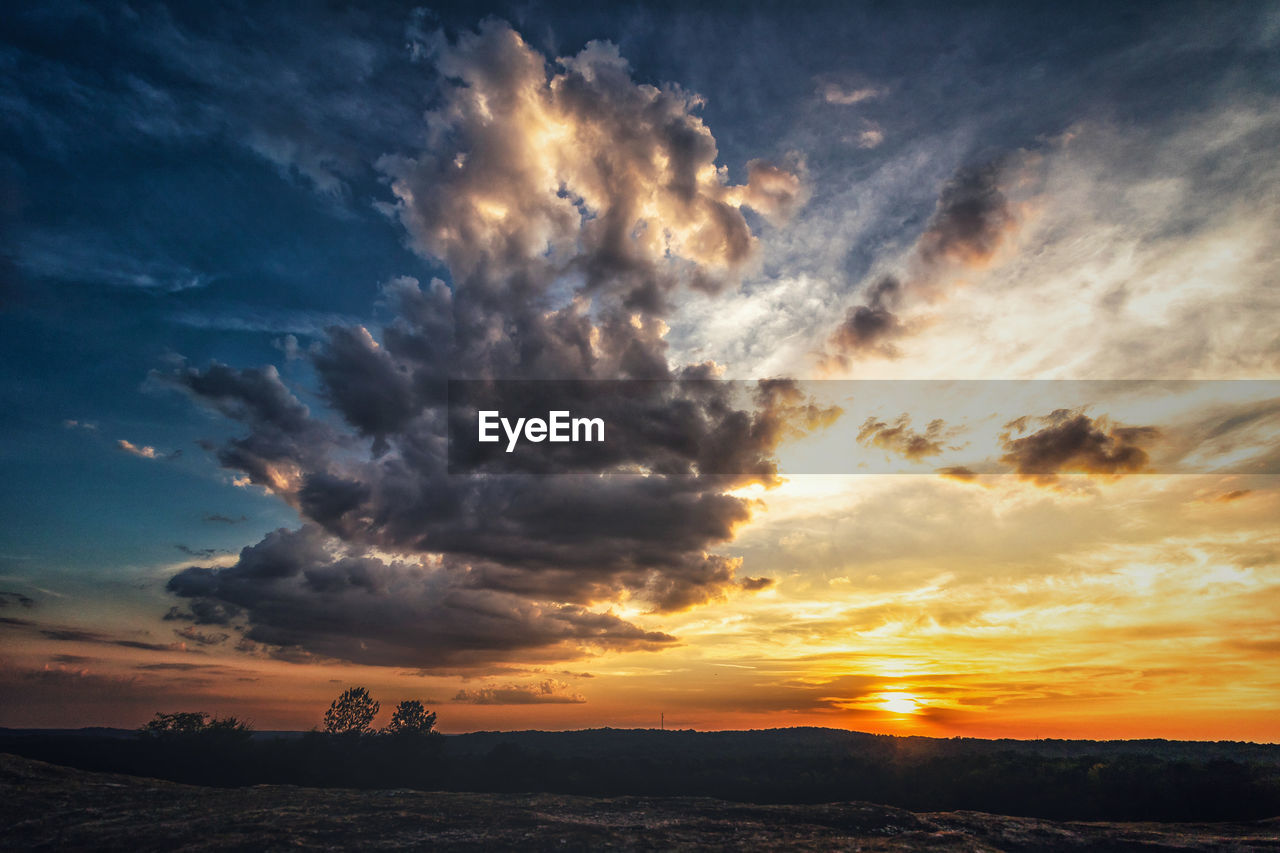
[(46, 807)]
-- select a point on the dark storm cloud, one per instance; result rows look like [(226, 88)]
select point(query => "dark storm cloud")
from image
[(282, 434), (570, 205), (898, 437), (571, 539), (308, 590), (253, 395), (1072, 442), (366, 384), (683, 427), (968, 226)]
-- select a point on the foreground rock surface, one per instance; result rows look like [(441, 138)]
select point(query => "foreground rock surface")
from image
[(43, 806)]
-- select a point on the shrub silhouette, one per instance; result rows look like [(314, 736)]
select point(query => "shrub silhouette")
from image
[(192, 746), (351, 713), (181, 723), (196, 724), (411, 718)]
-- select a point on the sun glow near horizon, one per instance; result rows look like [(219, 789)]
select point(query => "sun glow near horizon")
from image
[(899, 703)]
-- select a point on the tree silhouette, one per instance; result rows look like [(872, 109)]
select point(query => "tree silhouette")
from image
[(351, 713), (411, 718)]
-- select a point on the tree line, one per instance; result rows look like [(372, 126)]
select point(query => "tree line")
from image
[(351, 714)]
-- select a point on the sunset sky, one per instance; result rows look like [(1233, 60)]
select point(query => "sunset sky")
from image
[(244, 247)]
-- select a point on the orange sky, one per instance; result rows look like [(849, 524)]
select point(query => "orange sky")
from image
[(908, 605)]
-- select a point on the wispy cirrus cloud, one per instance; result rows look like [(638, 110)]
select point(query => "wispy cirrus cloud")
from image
[(834, 93), (90, 259), (256, 319)]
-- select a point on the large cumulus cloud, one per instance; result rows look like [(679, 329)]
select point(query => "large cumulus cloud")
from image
[(570, 205), (537, 184)]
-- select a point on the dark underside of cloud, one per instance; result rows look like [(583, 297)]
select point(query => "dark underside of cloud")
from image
[(569, 204), (1072, 442)]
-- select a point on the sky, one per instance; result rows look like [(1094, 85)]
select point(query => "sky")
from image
[(936, 345)]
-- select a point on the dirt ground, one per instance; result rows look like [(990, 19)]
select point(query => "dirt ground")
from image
[(45, 807)]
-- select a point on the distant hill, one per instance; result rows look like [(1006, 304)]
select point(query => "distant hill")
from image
[(802, 741), (820, 742), (107, 732), (1054, 779)]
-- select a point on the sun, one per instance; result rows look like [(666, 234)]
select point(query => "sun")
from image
[(899, 703)]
